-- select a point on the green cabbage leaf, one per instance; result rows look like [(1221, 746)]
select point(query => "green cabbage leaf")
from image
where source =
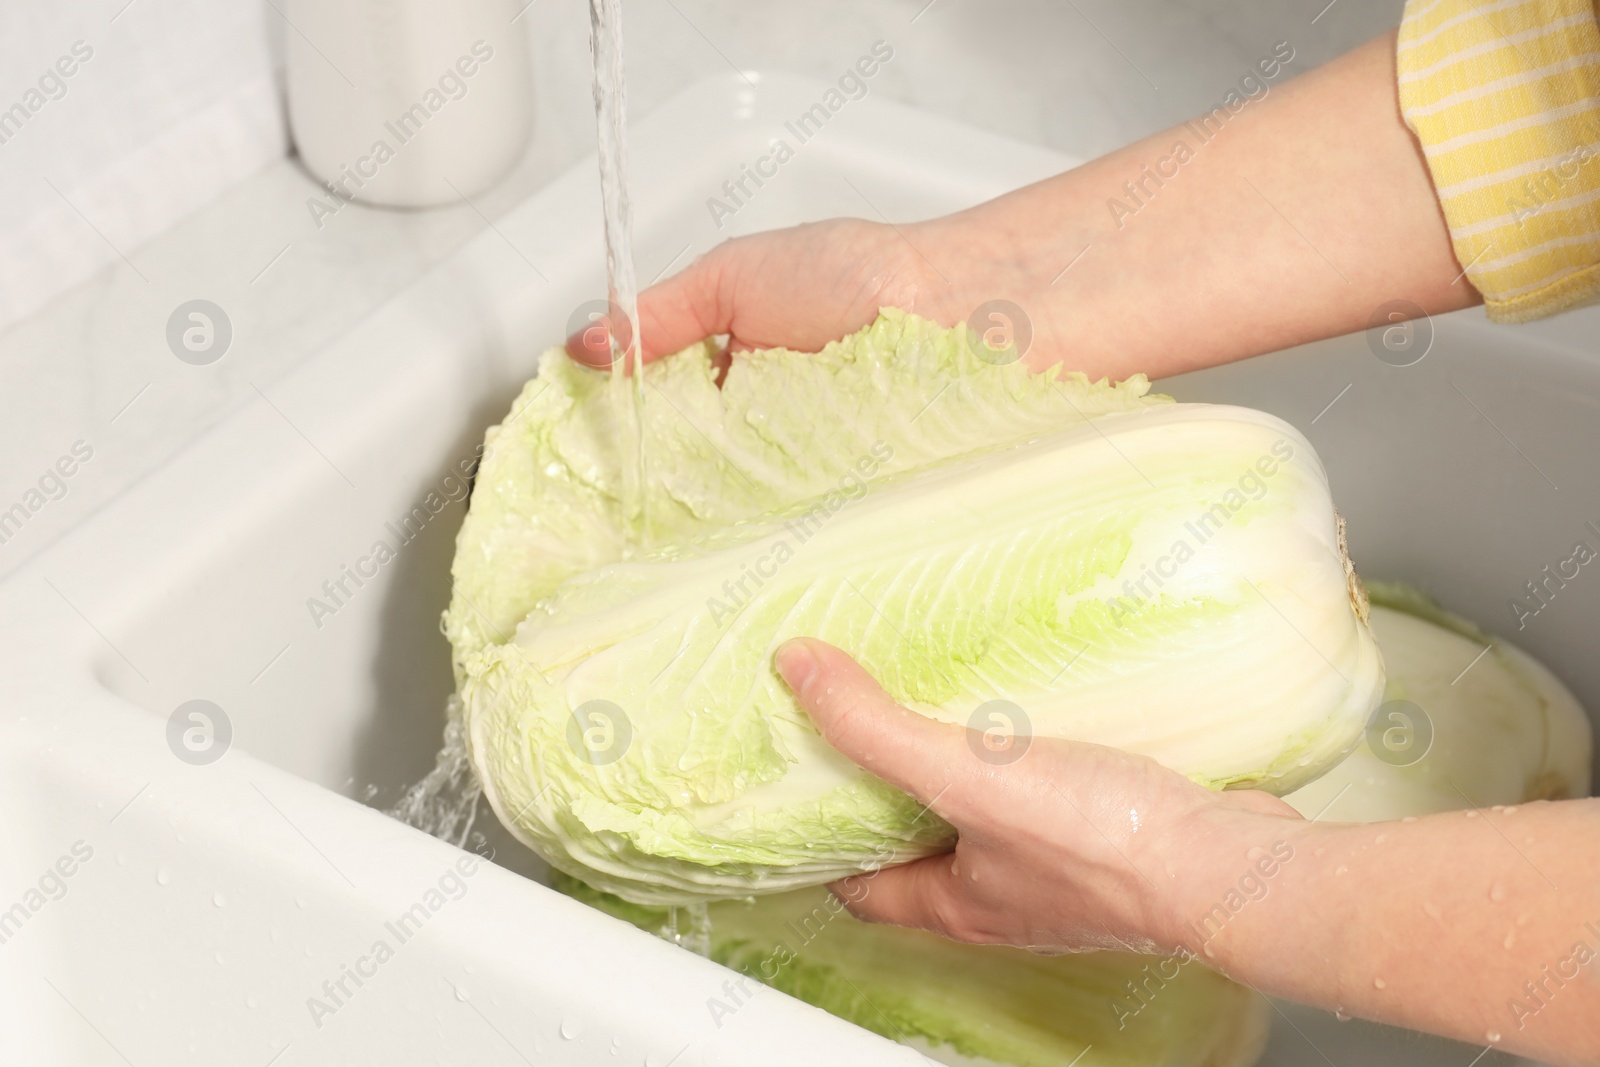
[(968, 1004)]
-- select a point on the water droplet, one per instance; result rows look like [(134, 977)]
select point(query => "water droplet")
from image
[(569, 1029), (1209, 951), (1497, 892), (301, 902), (122, 860), (219, 900), (1511, 939), (1342, 1015), (1379, 983), (251, 1002), (163, 876), (461, 994), (1431, 910), (1472, 814), (1524, 919), (1340, 870), (217, 956), (1380, 839), (1409, 818), (1492, 1036)]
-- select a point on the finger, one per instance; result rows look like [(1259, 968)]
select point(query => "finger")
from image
[(591, 345), (919, 755), (925, 893), (1261, 803), (688, 307)]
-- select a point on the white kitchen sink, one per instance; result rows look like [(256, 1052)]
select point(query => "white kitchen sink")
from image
[(209, 902)]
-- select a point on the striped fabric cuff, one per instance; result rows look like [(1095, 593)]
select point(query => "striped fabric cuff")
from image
[(1505, 97)]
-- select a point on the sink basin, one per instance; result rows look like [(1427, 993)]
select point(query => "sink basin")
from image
[(228, 891)]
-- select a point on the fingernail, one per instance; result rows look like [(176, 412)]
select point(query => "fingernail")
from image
[(591, 346), (796, 662)]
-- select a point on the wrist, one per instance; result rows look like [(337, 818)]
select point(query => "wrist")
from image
[(1225, 862)]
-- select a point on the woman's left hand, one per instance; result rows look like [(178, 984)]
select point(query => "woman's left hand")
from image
[(1063, 846)]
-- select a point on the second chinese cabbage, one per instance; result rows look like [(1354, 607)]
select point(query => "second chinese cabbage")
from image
[(1474, 722)]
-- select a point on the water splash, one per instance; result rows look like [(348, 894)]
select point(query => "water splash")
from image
[(697, 938), (445, 803), (688, 926)]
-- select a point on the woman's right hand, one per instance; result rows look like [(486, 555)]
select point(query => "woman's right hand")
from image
[(797, 288)]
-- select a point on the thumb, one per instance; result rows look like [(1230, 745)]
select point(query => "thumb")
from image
[(916, 754), (925, 893), (1261, 803), (688, 307)]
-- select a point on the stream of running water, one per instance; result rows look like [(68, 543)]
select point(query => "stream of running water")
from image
[(445, 802), (622, 286)]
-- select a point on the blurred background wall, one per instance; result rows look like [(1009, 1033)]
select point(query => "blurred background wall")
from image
[(180, 100)]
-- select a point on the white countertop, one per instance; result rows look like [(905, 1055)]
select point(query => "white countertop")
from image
[(93, 365)]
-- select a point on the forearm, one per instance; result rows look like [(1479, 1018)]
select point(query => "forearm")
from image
[(1482, 925), (1298, 218)]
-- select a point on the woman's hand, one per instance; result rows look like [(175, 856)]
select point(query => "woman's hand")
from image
[(1068, 846), (802, 287), (1482, 925), (799, 288)]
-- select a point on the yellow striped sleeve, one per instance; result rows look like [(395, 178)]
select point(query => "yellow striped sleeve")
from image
[(1504, 96)]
